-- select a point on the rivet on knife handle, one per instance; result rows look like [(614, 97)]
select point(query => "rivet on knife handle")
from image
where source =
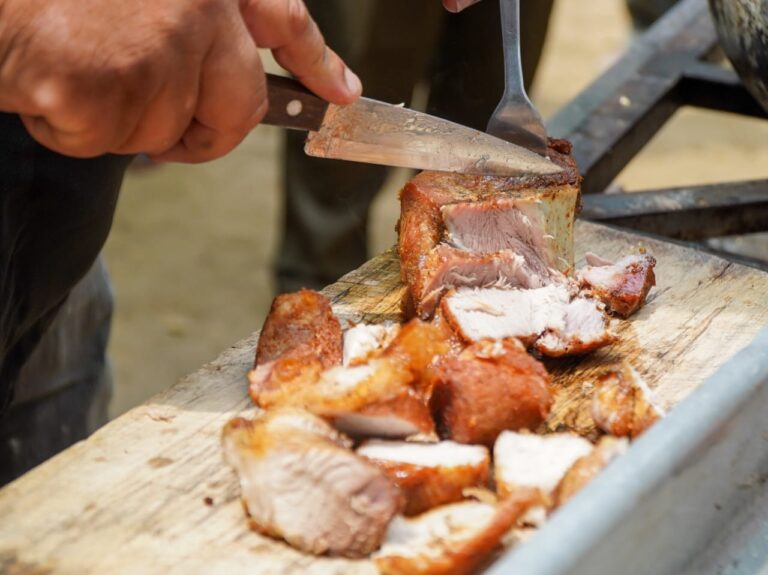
[(291, 105)]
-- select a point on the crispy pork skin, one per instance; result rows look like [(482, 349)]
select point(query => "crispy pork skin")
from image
[(535, 461), (452, 539), (300, 482), (384, 397), (461, 230), (429, 474), (549, 319), (623, 285), (587, 467), (300, 324), (301, 337), (489, 387), (622, 403)]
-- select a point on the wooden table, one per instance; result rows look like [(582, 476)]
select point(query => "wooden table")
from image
[(149, 492)]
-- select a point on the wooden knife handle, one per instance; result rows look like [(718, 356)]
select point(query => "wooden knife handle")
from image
[(291, 105)]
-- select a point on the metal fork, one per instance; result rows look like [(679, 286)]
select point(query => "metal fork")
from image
[(515, 118)]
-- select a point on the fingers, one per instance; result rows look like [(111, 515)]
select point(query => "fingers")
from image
[(232, 99), (458, 5), (285, 27)]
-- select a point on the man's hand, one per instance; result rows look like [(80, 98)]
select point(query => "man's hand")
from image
[(458, 5), (180, 80)]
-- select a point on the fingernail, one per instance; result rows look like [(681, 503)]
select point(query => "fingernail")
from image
[(354, 85)]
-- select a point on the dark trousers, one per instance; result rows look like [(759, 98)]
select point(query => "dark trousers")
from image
[(55, 214), (393, 45)]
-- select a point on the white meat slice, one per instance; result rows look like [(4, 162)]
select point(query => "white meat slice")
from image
[(363, 339), (537, 461)]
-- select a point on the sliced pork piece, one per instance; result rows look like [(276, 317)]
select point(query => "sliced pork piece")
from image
[(363, 339), (429, 474), (463, 230), (384, 397), (299, 482), (622, 404), (489, 387), (452, 539), (586, 468), (549, 319), (301, 337), (586, 329), (535, 461), (498, 313), (622, 285), (300, 324)]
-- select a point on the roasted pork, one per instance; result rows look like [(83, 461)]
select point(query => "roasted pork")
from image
[(549, 319), (535, 461), (587, 467), (460, 230), (452, 539), (300, 482), (301, 337), (384, 397), (489, 387), (429, 474), (622, 403), (622, 286)]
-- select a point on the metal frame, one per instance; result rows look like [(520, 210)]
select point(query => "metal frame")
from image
[(613, 119)]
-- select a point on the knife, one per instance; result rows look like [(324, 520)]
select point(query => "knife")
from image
[(379, 133)]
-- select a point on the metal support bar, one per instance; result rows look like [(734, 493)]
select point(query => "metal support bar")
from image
[(687, 213)]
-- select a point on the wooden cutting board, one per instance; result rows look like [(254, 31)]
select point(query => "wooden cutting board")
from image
[(149, 493)]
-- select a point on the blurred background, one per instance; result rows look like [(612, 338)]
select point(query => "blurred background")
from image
[(192, 246)]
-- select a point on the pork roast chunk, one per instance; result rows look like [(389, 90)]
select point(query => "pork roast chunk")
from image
[(622, 286), (588, 466), (489, 387), (429, 474), (300, 482), (449, 223), (452, 539)]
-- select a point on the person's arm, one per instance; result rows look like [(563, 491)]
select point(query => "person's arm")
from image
[(178, 79)]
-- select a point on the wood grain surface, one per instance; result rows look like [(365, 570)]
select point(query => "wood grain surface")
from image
[(149, 492)]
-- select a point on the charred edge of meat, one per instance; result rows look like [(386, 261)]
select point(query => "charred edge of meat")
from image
[(622, 286), (300, 324)]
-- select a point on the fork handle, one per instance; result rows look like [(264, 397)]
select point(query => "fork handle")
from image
[(510, 33)]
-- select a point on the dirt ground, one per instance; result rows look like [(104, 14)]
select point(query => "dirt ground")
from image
[(191, 248)]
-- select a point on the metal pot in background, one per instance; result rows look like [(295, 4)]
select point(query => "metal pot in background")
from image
[(742, 26)]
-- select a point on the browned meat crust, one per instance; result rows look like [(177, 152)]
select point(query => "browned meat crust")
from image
[(491, 386), (300, 325), (621, 403), (621, 286)]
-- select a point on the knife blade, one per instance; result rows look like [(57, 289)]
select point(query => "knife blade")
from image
[(379, 133)]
